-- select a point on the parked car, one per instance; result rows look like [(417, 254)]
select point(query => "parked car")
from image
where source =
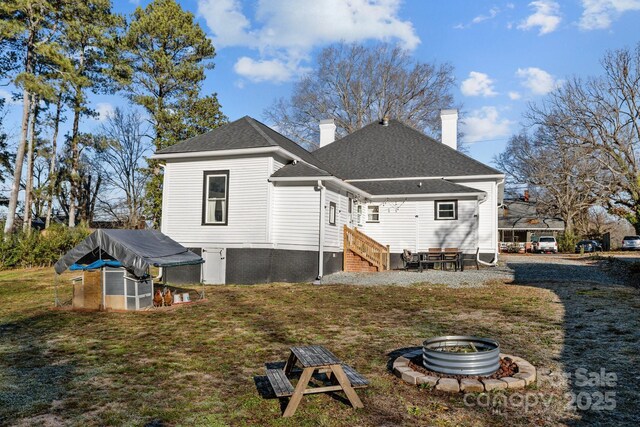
[(631, 243), (545, 244), (589, 246)]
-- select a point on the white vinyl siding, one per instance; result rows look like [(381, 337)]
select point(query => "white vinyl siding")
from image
[(397, 226), (247, 201), (411, 225), (333, 235), (460, 233), (487, 215), (295, 216)]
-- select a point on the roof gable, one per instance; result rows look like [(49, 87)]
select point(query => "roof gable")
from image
[(245, 132), (396, 150), (520, 214)]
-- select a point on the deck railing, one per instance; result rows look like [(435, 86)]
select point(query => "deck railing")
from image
[(367, 248)]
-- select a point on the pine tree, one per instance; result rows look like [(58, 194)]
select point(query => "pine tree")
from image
[(167, 54), (28, 31), (5, 154), (87, 37)]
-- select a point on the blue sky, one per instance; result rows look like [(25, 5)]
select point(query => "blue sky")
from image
[(505, 53)]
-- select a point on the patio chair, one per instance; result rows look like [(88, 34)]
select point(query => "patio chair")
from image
[(434, 254), (409, 259), (450, 256), (475, 258)]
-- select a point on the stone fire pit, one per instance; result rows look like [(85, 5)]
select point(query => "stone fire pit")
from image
[(461, 355), (463, 364)]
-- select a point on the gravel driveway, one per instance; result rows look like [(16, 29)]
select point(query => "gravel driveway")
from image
[(519, 268)]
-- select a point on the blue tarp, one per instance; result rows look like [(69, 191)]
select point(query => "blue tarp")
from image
[(96, 265)]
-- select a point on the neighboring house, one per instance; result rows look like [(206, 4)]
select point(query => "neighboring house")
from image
[(260, 208), (519, 221)]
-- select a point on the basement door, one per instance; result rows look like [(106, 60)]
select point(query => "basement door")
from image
[(215, 266)]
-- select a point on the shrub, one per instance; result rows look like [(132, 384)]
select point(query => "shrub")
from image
[(567, 242), (39, 249)]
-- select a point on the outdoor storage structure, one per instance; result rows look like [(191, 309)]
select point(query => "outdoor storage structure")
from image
[(115, 266), (119, 289)]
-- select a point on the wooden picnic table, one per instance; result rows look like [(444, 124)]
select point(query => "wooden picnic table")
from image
[(315, 359)]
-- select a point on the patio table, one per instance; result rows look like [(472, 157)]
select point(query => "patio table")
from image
[(425, 260)]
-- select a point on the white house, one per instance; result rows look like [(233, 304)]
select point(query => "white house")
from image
[(260, 208)]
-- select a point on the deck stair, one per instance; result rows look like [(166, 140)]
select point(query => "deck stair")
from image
[(362, 253)]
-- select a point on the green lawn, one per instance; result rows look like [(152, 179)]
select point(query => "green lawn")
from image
[(198, 365)]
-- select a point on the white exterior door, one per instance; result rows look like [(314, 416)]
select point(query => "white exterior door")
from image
[(214, 269)]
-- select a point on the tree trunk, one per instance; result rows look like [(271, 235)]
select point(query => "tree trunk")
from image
[(17, 172), (52, 170), (28, 192), (75, 161)]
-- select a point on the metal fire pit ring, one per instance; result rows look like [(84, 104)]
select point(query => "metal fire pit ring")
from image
[(484, 362)]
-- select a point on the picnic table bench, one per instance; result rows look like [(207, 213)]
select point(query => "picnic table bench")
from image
[(312, 360)]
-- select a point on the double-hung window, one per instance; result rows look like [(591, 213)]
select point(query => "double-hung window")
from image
[(332, 213), (446, 209), (373, 213), (215, 198)]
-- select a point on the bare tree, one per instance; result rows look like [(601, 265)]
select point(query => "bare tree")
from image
[(89, 176), (602, 114), (356, 85), (122, 156), (560, 176)]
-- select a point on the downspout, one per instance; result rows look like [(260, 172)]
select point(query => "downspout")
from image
[(493, 262), (321, 188)]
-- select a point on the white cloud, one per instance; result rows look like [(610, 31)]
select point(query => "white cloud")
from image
[(538, 81), (104, 110), (261, 70), (478, 84), (546, 17), (227, 22), (285, 32), (485, 124), (493, 12), (598, 14), (513, 95)]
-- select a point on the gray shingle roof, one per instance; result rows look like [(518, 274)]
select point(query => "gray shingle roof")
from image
[(396, 150), (242, 133), (425, 186), (518, 214), (299, 170)]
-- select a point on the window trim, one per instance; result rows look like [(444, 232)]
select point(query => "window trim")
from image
[(332, 209), (436, 212), (359, 215), (206, 175), (378, 213)]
